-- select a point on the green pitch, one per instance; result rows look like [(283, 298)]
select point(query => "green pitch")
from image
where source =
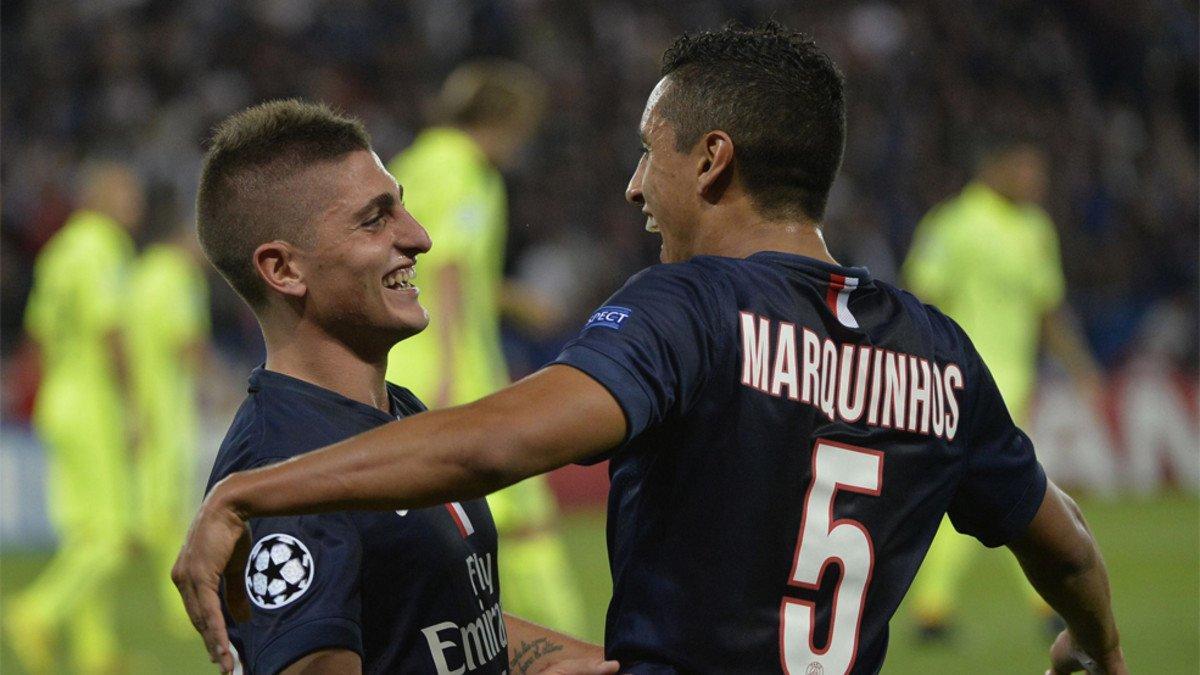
[(1152, 548)]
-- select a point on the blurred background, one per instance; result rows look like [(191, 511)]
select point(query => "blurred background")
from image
[(1108, 89)]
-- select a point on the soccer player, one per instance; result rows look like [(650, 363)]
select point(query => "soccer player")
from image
[(166, 329), (298, 214), (489, 110), (785, 433), (989, 259), (74, 316)]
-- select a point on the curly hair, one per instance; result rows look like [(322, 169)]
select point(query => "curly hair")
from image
[(780, 99)]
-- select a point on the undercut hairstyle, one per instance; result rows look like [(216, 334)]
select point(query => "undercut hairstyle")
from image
[(248, 187), (780, 99)]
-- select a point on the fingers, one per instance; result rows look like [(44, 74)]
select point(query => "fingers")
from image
[(1062, 656), (203, 606), (583, 667)]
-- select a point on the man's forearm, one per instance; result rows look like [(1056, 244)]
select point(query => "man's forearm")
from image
[(533, 648), (1062, 560), (425, 460), (440, 456), (1082, 598), (1065, 343)]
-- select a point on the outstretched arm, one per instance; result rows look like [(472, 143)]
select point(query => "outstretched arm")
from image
[(552, 418), (536, 649), (1061, 559)]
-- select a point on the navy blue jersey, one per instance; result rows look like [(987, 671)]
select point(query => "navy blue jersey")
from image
[(796, 431), (411, 591)]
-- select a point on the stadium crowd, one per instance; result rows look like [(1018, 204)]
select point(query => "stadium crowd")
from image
[(1107, 87)]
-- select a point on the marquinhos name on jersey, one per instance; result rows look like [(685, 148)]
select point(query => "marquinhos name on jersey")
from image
[(850, 382)]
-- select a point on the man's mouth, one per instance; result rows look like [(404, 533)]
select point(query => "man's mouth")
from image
[(400, 279), (651, 225)]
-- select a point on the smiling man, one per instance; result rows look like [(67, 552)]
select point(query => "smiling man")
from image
[(300, 217), (770, 415)]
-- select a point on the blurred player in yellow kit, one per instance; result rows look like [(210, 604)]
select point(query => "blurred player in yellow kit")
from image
[(166, 337), (74, 316), (454, 188), (989, 258)]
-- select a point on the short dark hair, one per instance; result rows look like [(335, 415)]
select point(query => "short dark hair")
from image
[(777, 95), (243, 201)]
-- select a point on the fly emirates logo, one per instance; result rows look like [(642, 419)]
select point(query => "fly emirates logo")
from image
[(462, 649), (889, 389)]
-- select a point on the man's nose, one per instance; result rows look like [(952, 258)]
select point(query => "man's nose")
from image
[(633, 191), (410, 236)]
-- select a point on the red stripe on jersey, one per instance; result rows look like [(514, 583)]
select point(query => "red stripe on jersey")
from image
[(458, 521), (836, 283)]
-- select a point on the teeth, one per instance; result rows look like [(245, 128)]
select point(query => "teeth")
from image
[(401, 278)]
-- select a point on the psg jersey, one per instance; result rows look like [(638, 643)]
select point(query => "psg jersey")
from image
[(796, 432), (410, 591)]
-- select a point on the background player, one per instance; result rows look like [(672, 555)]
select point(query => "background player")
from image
[(166, 331), (989, 258), (299, 215), (729, 465), (74, 315), (490, 109)]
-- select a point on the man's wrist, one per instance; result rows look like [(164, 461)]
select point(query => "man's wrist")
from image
[(229, 496)]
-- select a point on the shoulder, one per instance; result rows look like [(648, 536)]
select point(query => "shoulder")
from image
[(945, 333), (242, 447), (693, 275)]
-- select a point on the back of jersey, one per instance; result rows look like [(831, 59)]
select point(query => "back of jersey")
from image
[(797, 431)]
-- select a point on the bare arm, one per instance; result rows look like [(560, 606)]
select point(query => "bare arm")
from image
[(535, 649), (326, 662), (447, 316), (554, 417), (1064, 342), (1061, 559)]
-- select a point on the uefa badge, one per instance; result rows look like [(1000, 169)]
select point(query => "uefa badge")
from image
[(279, 571)]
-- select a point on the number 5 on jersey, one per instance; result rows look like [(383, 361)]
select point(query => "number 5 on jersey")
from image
[(822, 541)]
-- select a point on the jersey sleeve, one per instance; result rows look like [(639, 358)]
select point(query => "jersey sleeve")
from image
[(651, 345), (1049, 284), (46, 296), (302, 583), (102, 270), (1003, 483)]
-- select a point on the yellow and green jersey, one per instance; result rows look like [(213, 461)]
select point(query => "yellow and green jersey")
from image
[(166, 313), (74, 308), (993, 266), (452, 190)]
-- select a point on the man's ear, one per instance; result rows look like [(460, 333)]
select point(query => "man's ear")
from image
[(276, 263), (715, 166)]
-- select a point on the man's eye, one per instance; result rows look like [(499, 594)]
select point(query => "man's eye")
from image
[(374, 222)]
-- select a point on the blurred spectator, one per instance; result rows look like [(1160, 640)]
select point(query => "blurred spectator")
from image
[(485, 114), (166, 328), (74, 316), (1107, 87)]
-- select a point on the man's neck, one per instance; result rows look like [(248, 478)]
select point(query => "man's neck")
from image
[(307, 353), (742, 232)]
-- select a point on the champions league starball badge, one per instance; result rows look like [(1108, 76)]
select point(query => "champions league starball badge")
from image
[(279, 571)]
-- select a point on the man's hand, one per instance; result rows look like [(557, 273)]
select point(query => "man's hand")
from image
[(1067, 657), (216, 549), (597, 666)]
